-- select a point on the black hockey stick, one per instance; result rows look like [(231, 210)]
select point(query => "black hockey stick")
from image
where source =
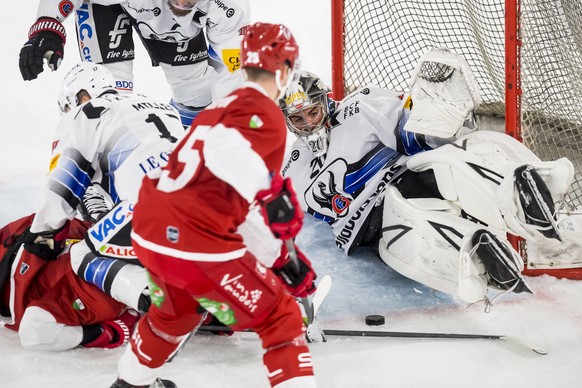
[(405, 334)]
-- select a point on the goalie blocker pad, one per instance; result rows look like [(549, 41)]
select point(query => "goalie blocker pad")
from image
[(426, 240)]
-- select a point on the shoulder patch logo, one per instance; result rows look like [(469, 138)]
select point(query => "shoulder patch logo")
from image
[(255, 122), (65, 8), (78, 305), (23, 268), (173, 234)]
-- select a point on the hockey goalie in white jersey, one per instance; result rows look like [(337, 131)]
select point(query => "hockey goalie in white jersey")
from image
[(409, 174)]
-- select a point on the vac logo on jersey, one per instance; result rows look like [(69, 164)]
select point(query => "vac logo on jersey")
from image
[(85, 31), (231, 58), (110, 223), (65, 8)]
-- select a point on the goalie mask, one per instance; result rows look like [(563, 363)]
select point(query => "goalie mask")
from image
[(306, 107), (93, 78), (444, 94)]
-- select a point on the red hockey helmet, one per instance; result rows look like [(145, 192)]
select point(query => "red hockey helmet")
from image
[(269, 46)]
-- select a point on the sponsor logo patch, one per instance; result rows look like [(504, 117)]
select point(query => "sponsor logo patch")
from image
[(78, 305), (255, 122), (54, 161), (23, 268), (231, 58), (220, 310), (173, 234)]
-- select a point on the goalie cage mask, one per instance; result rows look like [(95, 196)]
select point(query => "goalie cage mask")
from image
[(93, 78), (306, 106)]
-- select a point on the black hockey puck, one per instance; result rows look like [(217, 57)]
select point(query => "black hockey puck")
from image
[(375, 320)]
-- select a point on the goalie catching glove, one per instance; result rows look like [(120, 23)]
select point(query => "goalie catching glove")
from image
[(47, 245), (280, 208), (46, 40), (297, 275)]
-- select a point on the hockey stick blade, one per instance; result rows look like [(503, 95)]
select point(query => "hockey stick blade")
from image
[(321, 292), (404, 334)]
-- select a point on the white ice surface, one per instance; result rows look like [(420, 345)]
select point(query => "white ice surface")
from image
[(551, 318)]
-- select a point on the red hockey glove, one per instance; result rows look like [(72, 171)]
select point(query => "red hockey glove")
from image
[(280, 208), (117, 332), (46, 39), (47, 245), (298, 277)]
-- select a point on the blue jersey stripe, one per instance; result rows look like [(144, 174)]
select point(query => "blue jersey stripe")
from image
[(355, 180)]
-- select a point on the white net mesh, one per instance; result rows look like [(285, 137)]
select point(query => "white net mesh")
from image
[(384, 39)]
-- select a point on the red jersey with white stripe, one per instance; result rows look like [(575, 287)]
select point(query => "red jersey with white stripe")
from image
[(194, 207)]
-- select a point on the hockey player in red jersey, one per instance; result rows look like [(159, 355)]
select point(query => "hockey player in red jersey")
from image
[(49, 306), (186, 219)]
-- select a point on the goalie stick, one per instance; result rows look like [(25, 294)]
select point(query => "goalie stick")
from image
[(427, 335)]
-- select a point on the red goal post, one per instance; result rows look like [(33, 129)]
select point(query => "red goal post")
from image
[(526, 56)]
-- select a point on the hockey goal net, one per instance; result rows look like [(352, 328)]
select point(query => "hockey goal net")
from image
[(526, 55)]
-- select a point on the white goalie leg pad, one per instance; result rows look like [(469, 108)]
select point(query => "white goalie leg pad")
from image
[(426, 240), (444, 93), (477, 174), (557, 177)]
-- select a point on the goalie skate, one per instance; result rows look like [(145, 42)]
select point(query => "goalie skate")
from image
[(536, 202), (503, 267)]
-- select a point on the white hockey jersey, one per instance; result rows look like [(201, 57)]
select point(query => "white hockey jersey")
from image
[(221, 23), (113, 140), (366, 147)]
